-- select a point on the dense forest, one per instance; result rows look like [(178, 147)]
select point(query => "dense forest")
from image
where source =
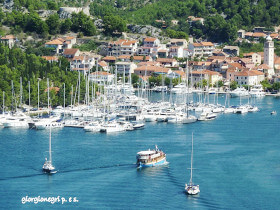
[(16, 65), (222, 18)]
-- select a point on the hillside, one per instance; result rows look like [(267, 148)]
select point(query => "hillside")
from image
[(219, 19), (222, 17)]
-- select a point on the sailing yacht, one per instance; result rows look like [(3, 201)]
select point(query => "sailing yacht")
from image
[(191, 188), (48, 167)]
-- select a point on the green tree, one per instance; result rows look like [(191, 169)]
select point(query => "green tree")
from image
[(53, 23), (276, 86), (266, 84), (82, 23), (233, 85), (65, 26), (114, 24)]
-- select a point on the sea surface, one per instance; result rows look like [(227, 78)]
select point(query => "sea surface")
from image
[(236, 161)]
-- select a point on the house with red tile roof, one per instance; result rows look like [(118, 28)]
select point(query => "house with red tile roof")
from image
[(83, 64), (202, 49), (57, 44), (151, 70), (255, 57), (168, 62), (101, 77), (50, 58), (162, 53), (150, 47), (151, 42), (122, 47), (211, 76), (110, 59), (248, 77), (246, 62), (192, 19), (71, 53), (104, 65), (8, 40), (135, 59)]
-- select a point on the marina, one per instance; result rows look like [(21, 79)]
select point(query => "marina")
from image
[(94, 167)]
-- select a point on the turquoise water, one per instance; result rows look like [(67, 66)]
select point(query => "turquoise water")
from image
[(236, 159)]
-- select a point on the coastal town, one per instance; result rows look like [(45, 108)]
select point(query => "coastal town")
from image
[(149, 57), (115, 104)]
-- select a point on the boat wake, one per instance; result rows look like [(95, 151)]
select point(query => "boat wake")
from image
[(95, 168), (21, 177), (66, 171)]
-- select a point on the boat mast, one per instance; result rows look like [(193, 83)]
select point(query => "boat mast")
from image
[(79, 88), (72, 96), (50, 144), (191, 161), (64, 101), (48, 95), (20, 92), (29, 95), (3, 103), (38, 97), (187, 96)]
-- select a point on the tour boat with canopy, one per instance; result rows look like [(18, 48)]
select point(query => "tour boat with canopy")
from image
[(150, 158)]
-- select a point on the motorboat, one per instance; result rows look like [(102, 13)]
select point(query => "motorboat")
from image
[(273, 112), (206, 116), (18, 120), (112, 127), (257, 91), (150, 158), (128, 126), (239, 92), (45, 123), (138, 125), (93, 127)]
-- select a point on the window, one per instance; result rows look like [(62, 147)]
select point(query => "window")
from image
[(237, 77)]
